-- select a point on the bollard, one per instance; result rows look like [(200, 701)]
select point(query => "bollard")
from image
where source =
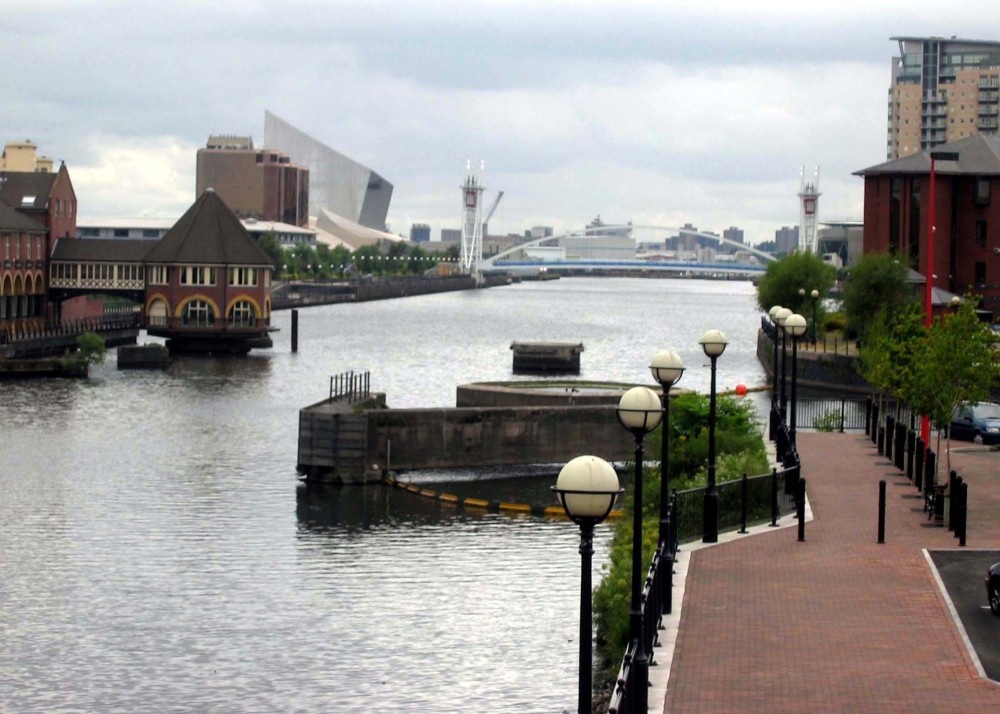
[(881, 511), (295, 330), (801, 508), (890, 435), (911, 449), (963, 513), (774, 498), (918, 467), (953, 478), (897, 448), (868, 416), (744, 493), (874, 424), (929, 469)]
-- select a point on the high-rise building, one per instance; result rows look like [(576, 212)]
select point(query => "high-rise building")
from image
[(420, 233), (786, 239), (22, 156), (943, 90), (735, 235), (254, 183)]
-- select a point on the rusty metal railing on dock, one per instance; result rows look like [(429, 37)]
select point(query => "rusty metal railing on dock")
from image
[(350, 385)]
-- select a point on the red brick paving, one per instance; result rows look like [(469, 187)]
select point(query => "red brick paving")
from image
[(837, 623)]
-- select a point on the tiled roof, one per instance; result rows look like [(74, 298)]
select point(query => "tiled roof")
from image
[(978, 155), (11, 220), (208, 234), (15, 186), (102, 250)]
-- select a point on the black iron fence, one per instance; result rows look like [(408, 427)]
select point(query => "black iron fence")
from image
[(750, 500)]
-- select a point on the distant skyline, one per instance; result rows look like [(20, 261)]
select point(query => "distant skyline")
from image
[(696, 112)]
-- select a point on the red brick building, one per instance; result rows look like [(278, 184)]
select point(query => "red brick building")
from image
[(36, 209), (966, 215), (207, 283)]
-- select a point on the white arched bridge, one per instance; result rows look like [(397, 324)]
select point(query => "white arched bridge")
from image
[(506, 260)]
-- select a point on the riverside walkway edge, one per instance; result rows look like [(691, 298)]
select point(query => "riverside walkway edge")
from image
[(837, 623)]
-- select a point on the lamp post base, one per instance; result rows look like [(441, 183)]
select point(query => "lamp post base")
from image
[(710, 531)]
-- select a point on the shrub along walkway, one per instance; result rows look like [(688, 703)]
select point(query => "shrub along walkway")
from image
[(838, 622)]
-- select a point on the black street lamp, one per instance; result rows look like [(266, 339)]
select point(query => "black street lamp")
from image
[(587, 488), (815, 296), (795, 327), (714, 344), (780, 316), (772, 422), (667, 369), (639, 411)]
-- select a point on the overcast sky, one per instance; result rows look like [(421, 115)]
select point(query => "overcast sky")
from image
[(660, 113)]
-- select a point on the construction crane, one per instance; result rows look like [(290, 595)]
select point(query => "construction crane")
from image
[(490, 211)]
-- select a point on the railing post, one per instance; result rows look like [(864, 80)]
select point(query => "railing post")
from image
[(744, 495), (774, 498)]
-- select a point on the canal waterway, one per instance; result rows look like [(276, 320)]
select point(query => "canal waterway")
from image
[(158, 552)]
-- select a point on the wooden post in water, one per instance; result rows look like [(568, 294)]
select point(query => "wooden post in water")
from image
[(295, 330)]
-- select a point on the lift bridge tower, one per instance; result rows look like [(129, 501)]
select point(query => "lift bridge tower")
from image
[(471, 252), (808, 212)]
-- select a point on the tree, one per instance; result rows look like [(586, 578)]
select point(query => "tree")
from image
[(956, 363), (876, 283), (269, 243), (786, 277)]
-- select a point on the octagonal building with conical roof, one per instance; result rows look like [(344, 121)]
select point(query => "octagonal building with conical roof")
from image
[(208, 283)]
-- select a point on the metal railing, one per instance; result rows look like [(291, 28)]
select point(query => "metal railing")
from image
[(742, 502), (839, 414), (350, 386), (32, 330)]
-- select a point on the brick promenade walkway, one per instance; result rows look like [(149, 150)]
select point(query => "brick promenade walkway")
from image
[(837, 623)]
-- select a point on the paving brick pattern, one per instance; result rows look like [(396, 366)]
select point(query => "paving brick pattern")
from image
[(838, 623)]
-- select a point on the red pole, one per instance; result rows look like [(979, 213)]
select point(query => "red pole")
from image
[(925, 424)]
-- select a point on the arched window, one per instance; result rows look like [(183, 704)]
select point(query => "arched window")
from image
[(157, 315), (242, 314), (198, 313)]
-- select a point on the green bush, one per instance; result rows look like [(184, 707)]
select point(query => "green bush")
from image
[(739, 449), (835, 322)]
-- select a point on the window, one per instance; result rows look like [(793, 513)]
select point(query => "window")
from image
[(243, 276), (197, 275), (982, 191), (198, 313), (150, 233), (242, 314), (121, 232), (981, 232), (980, 277), (158, 275)]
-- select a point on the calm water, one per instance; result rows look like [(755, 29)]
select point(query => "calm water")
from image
[(158, 553)]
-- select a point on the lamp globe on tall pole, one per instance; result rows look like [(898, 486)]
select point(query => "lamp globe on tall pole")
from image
[(639, 411), (714, 344), (795, 327), (587, 488), (667, 368)]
